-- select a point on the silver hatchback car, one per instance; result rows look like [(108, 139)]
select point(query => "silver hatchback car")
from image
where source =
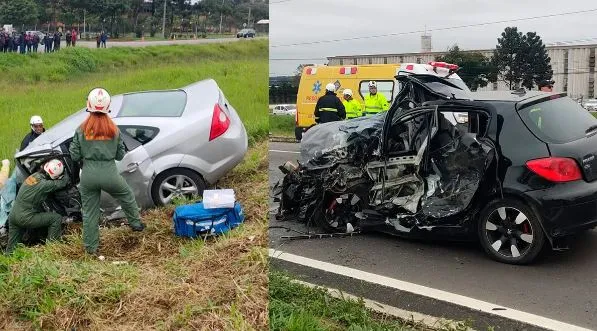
[(178, 142)]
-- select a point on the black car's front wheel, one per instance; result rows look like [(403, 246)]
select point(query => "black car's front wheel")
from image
[(510, 232)]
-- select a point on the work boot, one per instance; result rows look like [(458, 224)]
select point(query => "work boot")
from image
[(137, 228)]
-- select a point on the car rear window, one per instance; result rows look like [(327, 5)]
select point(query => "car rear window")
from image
[(559, 121), (153, 104)]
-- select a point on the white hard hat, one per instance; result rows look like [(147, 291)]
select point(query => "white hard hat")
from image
[(347, 92), (330, 87), (54, 168), (35, 119), (98, 101), (372, 84)]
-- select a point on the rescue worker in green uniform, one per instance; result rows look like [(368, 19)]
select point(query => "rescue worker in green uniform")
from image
[(352, 107), (98, 145), (375, 103), (28, 213)]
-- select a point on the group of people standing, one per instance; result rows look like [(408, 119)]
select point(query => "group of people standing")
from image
[(329, 108), (29, 42)]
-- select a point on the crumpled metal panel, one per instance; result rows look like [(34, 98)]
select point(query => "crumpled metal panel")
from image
[(350, 141), (458, 169)]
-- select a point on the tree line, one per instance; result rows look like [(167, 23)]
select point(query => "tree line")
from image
[(139, 16)]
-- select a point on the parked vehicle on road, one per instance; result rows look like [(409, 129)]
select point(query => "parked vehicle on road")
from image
[(520, 173), (246, 33), (284, 110)]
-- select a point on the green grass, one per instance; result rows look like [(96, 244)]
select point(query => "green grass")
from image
[(159, 281), (72, 62), (594, 114), (281, 125), (297, 307), (244, 82)]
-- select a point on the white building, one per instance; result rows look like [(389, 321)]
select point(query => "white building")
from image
[(573, 66)]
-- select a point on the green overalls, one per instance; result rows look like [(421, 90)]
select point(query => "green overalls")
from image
[(28, 213), (99, 173)]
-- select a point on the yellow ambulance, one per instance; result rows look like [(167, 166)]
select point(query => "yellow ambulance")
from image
[(355, 77)]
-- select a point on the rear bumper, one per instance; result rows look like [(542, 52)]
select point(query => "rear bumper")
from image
[(566, 208)]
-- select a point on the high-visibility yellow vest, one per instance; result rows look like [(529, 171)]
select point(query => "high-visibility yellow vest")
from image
[(375, 104), (353, 108)]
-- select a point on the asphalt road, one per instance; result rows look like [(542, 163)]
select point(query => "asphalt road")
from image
[(560, 286)]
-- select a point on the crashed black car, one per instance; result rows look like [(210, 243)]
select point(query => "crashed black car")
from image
[(516, 170)]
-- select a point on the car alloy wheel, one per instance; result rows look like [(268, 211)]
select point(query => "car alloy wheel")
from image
[(177, 186), (510, 232)]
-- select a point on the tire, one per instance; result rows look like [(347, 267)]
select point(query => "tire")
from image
[(509, 221), (159, 193), (298, 134)]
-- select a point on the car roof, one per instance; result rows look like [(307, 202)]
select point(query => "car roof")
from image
[(509, 95)]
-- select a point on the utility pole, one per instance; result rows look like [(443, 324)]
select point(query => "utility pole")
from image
[(249, 17), (164, 21), (84, 25), (221, 15)]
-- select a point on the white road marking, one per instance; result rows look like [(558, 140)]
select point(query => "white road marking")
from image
[(405, 315), (429, 292), (280, 151)]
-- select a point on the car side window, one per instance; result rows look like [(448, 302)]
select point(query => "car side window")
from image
[(385, 87), (141, 134)]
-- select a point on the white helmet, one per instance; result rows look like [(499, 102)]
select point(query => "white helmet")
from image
[(35, 119), (347, 92), (54, 168), (330, 87), (98, 101), (372, 84)]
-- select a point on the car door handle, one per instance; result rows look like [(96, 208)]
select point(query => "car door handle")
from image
[(132, 167)]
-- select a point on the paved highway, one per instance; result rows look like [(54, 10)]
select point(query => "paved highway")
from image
[(561, 286)]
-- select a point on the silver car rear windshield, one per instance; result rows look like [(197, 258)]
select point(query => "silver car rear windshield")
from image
[(153, 104)]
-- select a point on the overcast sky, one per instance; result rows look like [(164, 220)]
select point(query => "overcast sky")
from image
[(297, 21)]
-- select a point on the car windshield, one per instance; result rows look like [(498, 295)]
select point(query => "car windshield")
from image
[(153, 104), (560, 120)]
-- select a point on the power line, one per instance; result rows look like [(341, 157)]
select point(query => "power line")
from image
[(431, 30)]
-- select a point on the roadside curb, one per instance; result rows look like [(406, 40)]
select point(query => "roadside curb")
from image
[(282, 139)]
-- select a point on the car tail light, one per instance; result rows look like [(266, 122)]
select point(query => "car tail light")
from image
[(556, 169), (444, 65), (296, 116), (219, 123), (348, 70)]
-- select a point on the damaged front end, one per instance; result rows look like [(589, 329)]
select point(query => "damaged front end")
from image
[(404, 171)]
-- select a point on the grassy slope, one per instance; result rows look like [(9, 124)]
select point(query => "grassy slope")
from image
[(281, 125), (166, 282), (71, 62), (243, 81)]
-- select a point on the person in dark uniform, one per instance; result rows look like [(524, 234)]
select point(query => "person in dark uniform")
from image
[(37, 128), (35, 42), (329, 108), (57, 36), (22, 43), (29, 42)]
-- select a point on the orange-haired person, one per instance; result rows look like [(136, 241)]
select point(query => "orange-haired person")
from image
[(98, 145)]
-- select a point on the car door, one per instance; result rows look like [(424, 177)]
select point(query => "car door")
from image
[(405, 139), (136, 168)]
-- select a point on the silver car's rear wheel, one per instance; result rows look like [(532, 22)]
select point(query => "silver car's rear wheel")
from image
[(176, 183)]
